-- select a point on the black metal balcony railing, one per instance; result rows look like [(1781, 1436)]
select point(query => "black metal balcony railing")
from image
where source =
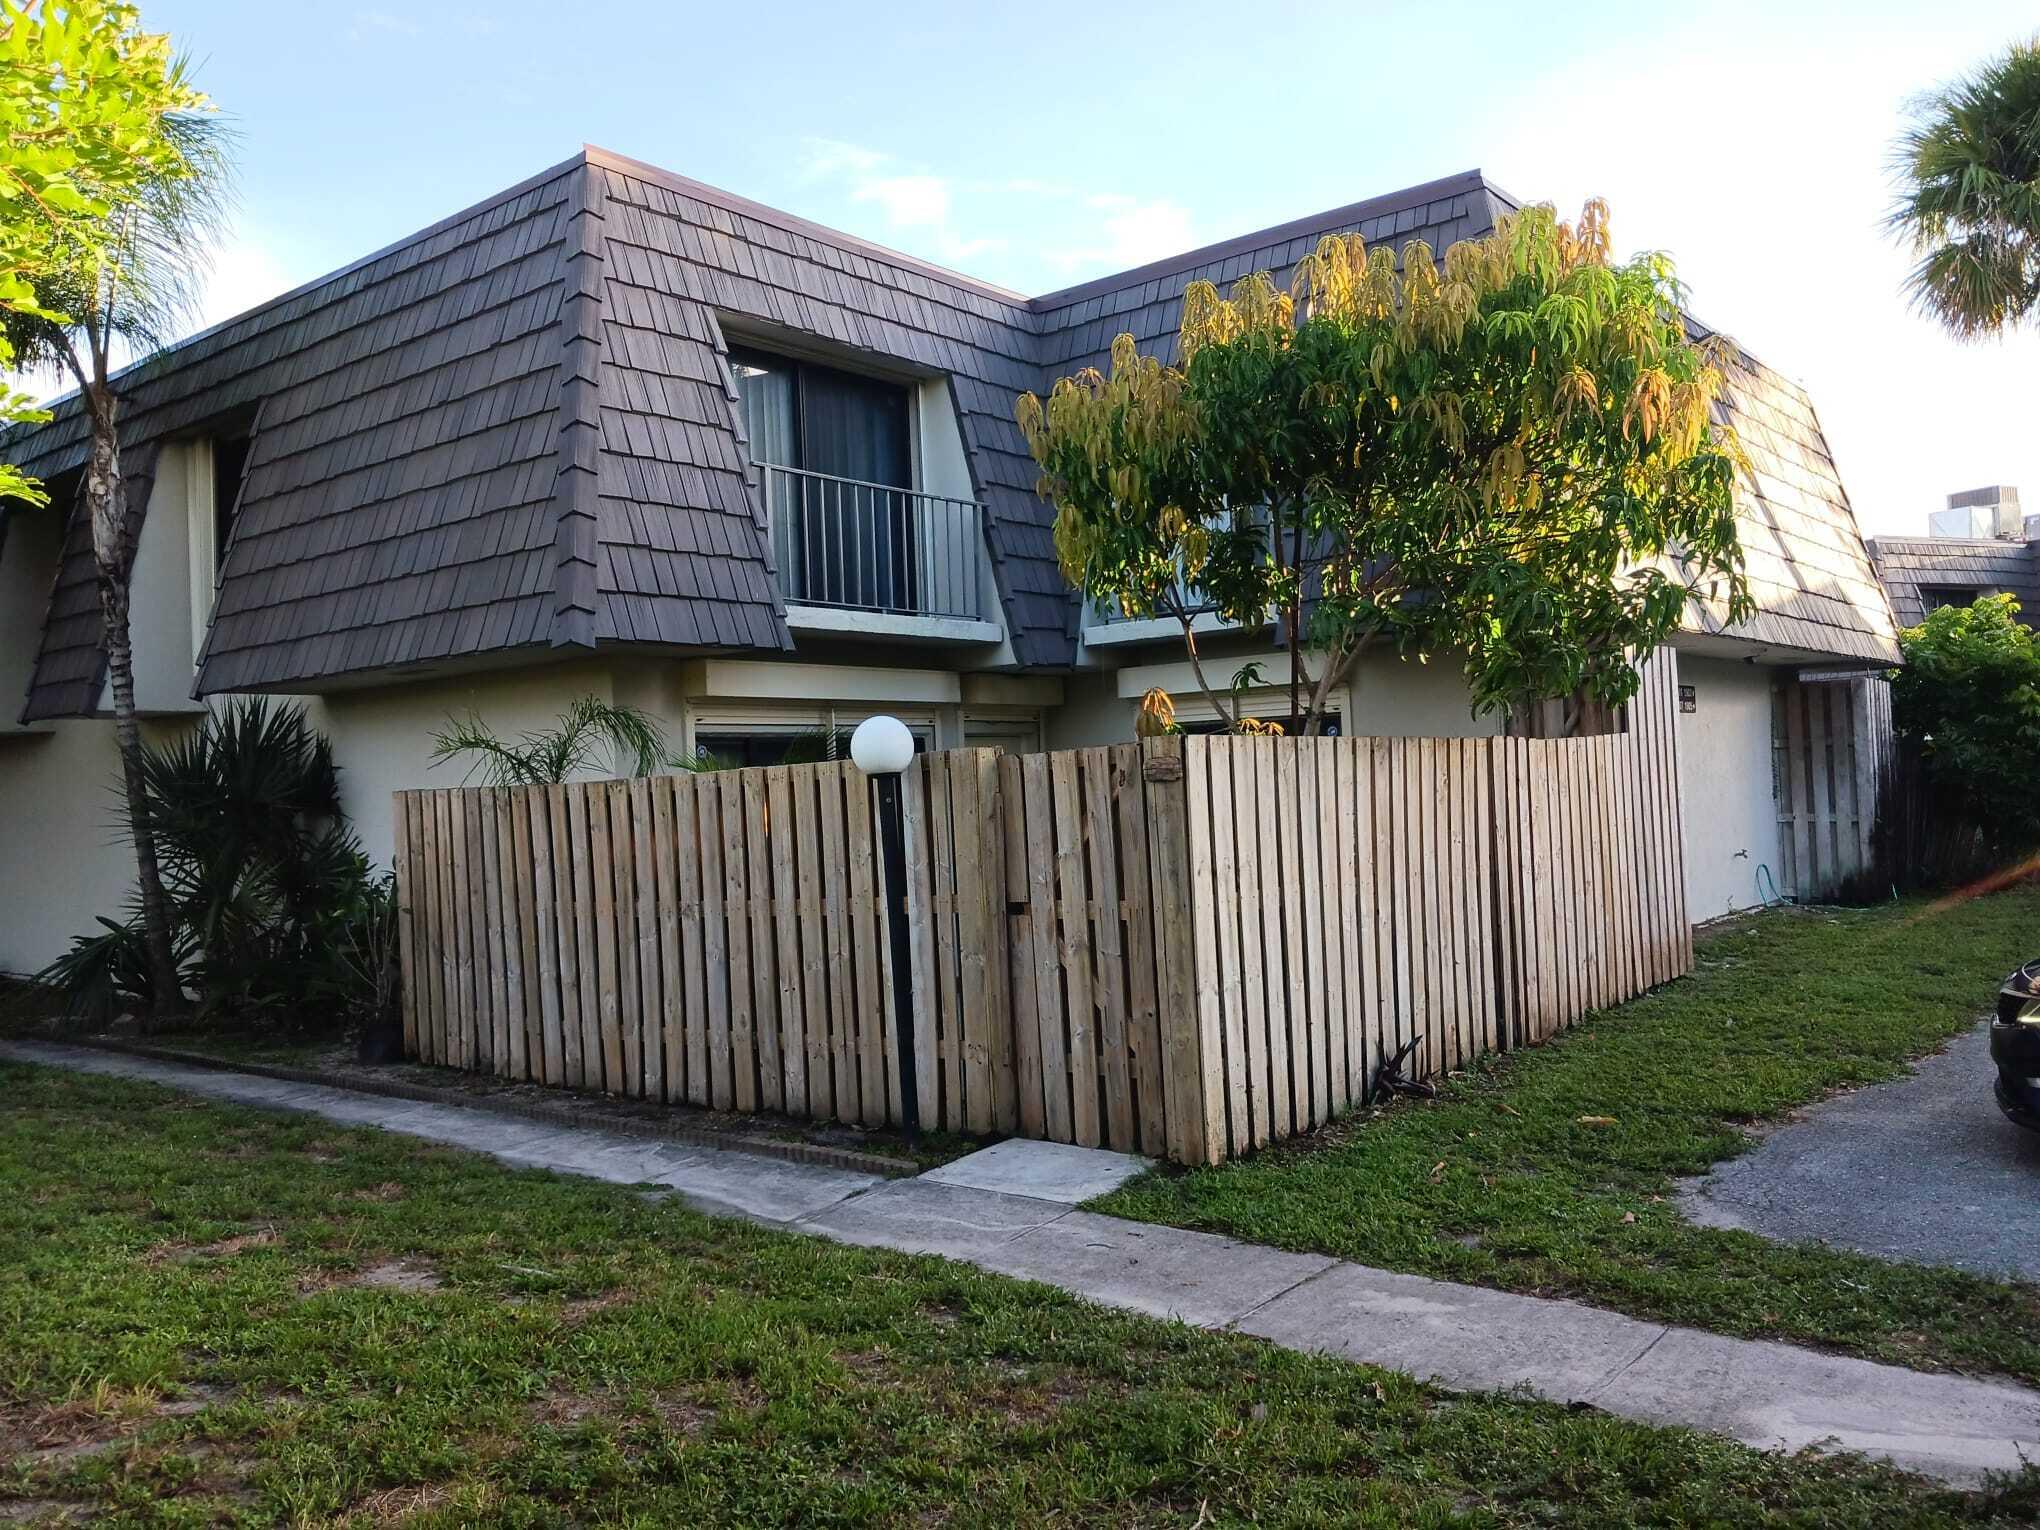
[(871, 546)]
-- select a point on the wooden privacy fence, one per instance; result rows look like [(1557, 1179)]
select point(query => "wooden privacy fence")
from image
[(1184, 947), (1351, 897), (712, 939)]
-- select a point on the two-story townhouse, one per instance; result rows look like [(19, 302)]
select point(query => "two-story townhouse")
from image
[(615, 432)]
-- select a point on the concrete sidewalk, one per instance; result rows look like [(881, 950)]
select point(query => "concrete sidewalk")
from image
[(1011, 1209)]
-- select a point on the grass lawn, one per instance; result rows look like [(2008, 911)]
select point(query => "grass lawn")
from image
[(216, 1315), (1500, 1183)]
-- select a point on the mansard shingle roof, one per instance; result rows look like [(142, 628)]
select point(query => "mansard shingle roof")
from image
[(1911, 566), (516, 430)]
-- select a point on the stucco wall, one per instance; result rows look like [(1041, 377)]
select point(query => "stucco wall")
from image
[(1406, 698), (63, 859), (62, 863), (1725, 784), (160, 624)]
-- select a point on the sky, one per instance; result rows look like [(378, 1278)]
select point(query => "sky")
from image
[(1036, 146)]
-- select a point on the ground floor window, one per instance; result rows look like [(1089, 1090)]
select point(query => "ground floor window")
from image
[(1009, 735), (806, 736)]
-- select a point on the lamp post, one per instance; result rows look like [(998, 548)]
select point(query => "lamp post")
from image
[(882, 748)]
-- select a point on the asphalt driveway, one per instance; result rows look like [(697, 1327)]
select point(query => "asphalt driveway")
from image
[(1923, 1168)]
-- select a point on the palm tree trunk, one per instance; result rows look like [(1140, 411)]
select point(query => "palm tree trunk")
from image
[(114, 554)]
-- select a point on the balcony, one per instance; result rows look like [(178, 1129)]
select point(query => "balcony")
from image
[(1107, 622), (860, 557)]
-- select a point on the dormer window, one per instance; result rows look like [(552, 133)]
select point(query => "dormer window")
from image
[(798, 414), (229, 466), (835, 456)]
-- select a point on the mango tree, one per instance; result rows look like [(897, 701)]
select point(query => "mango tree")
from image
[(1507, 456)]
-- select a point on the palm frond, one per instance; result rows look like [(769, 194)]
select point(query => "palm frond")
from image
[(637, 745), (1967, 169)]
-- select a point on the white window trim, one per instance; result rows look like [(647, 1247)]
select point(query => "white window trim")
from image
[(200, 532), (925, 723)]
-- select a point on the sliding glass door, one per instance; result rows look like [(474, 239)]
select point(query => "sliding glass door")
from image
[(836, 452)]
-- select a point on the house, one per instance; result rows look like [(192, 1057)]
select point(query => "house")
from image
[(615, 432), (1981, 544)]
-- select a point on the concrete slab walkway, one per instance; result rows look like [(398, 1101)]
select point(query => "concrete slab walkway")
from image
[(1463, 1337)]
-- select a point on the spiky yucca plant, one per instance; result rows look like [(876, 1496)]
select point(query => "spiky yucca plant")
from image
[(261, 875)]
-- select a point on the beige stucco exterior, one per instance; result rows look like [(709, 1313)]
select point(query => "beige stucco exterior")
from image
[(1725, 784), (63, 862)]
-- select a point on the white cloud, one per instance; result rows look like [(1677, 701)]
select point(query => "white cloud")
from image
[(246, 271), (828, 158), (913, 201), (1105, 231), (1129, 232)]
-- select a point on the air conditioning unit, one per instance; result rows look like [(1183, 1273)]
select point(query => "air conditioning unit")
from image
[(1987, 512)]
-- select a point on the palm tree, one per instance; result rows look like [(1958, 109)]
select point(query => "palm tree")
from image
[(129, 288), (1969, 204)]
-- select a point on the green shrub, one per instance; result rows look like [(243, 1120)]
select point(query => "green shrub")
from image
[(1966, 708), (271, 898)]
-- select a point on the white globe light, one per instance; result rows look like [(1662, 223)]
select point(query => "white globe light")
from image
[(882, 746)]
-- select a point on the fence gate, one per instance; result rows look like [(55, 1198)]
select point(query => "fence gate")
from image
[(1832, 743)]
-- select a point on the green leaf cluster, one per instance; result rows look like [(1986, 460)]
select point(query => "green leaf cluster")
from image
[(1510, 454), (271, 899), (1968, 700), (91, 108), (570, 747)]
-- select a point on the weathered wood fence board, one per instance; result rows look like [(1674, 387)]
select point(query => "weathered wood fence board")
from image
[(716, 940), (1352, 896), (1183, 947), (1835, 754), (1086, 864)]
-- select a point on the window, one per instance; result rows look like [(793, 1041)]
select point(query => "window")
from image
[(229, 466), (214, 466), (801, 415), (805, 746), (1934, 597), (1292, 725), (835, 453)]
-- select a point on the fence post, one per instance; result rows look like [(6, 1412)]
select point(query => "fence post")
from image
[(1168, 804)]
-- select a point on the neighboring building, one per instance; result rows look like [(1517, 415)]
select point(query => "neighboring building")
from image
[(615, 432), (1982, 544), (1992, 511)]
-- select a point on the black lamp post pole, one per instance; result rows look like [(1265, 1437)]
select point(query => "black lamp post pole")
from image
[(893, 838)]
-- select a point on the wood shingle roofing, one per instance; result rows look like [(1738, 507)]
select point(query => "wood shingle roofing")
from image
[(517, 429), (1809, 571), (1913, 566)]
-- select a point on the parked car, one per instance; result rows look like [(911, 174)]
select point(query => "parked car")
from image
[(2015, 1046)]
